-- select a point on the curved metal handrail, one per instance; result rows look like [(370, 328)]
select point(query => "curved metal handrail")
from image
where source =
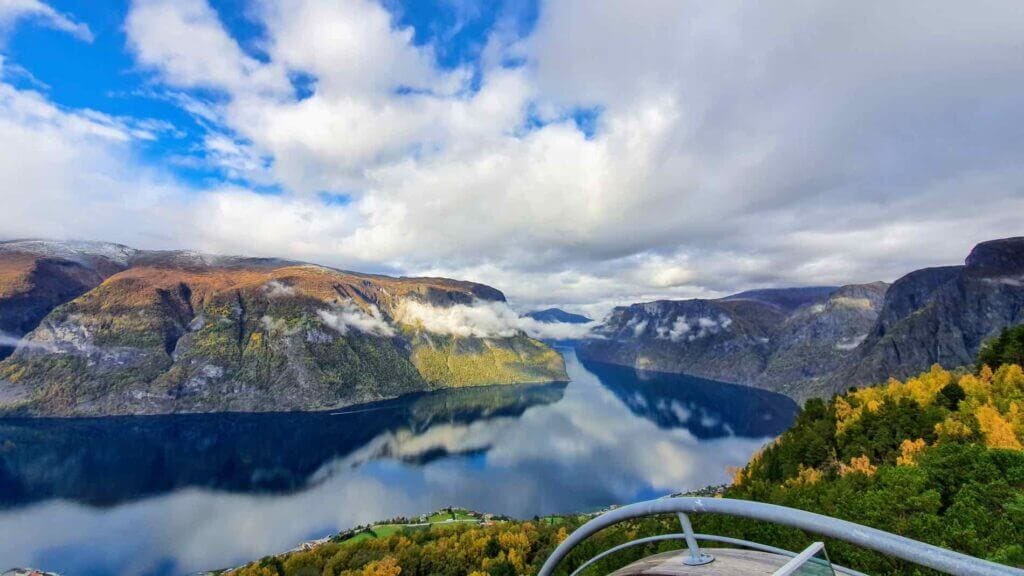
[(906, 549), (708, 538)]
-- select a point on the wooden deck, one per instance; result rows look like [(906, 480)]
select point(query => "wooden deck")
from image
[(728, 562)]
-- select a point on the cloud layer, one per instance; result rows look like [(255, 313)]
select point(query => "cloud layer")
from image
[(348, 316), (485, 320), (607, 155)]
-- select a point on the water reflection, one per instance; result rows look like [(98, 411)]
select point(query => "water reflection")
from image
[(169, 495), (706, 408), (105, 461)]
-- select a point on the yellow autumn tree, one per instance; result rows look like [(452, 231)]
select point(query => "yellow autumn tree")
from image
[(998, 432), (1008, 382), (952, 429), (386, 566), (806, 476)]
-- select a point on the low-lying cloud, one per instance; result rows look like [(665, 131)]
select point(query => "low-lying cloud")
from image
[(276, 289), (348, 316), (12, 341), (685, 328), (485, 320)]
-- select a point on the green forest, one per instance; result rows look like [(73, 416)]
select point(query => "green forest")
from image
[(938, 457)]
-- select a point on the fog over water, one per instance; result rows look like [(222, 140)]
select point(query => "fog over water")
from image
[(175, 494)]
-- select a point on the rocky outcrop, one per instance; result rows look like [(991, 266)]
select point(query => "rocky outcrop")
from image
[(169, 332)]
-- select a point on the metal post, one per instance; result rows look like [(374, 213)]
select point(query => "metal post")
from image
[(696, 558)]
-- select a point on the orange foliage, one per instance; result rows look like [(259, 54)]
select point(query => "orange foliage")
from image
[(858, 465), (16, 273), (909, 451)]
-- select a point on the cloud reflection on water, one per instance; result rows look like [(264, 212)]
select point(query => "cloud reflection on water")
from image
[(582, 451)]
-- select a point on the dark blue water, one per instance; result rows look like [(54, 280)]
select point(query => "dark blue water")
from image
[(178, 494)]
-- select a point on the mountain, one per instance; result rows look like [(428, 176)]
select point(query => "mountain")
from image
[(942, 315), (767, 338), (36, 277), (786, 299), (103, 329), (554, 315), (817, 341)]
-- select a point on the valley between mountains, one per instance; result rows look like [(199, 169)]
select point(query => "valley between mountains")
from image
[(92, 329)]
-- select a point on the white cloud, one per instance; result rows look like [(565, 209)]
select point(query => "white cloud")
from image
[(12, 11), (347, 315), (484, 320), (736, 146), (278, 289), (185, 42), (690, 329)]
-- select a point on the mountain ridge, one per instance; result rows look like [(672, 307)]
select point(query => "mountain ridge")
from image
[(175, 331)]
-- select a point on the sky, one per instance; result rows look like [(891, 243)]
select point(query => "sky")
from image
[(581, 153)]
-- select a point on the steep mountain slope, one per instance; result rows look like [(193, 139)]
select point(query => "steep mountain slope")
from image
[(768, 338), (816, 341), (720, 339), (942, 315), (36, 276), (186, 332)]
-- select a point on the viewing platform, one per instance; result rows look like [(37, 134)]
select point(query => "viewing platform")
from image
[(728, 562), (746, 558)]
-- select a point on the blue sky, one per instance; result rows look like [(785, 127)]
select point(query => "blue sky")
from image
[(573, 153), (102, 74)]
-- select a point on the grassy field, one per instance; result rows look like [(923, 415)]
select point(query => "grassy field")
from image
[(386, 530)]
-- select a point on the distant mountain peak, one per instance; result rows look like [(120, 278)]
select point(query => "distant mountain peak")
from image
[(553, 315), (786, 298), (73, 250)]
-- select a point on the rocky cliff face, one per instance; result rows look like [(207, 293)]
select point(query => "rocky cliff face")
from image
[(766, 338), (942, 315), (816, 341), (160, 332)]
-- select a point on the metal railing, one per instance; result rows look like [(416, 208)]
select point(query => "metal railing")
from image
[(919, 553)]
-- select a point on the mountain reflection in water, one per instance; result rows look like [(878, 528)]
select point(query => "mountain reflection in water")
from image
[(174, 494), (105, 461)]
